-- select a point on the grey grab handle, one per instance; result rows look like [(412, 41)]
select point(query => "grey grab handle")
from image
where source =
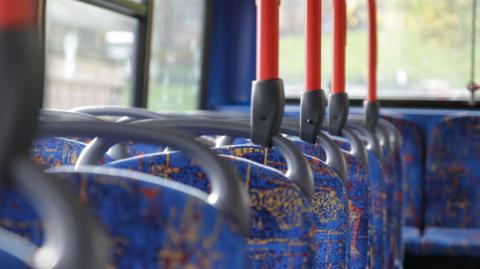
[(334, 156), (299, 170), (72, 240), (228, 192), (380, 135), (358, 149), (132, 112), (142, 113), (394, 135), (372, 142), (383, 140), (297, 165), (118, 151), (64, 115)]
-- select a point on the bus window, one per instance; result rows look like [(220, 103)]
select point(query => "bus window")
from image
[(89, 54), (176, 54), (424, 48)]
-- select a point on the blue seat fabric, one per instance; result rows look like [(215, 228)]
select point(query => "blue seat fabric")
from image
[(358, 195), (452, 180), (281, 231), (329, 204), (412, 154), (54, 152), (150, 222), (461, 242)]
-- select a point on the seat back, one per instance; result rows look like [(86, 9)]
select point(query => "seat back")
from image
[(56, 151), (53, 152), (378, 205), (150, 222), (412, 154), (281, 228), (358, 196), (452, 174)]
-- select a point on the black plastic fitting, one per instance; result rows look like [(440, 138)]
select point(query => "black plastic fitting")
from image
[(22, 93), (371, 113), (268, 102), (338, 105), (312, 114)]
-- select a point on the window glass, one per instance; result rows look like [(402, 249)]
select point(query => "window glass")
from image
[(424, 48), (89, 54), (176, 54)]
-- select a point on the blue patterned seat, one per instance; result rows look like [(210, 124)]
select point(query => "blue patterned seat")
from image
[(138, 149), (281, 230), (378, 194), (382, 207), (330, 203), (359, 202), (412, 154), (452, 180), (54, 152), (150, 222), (463, 242), (394, 202), (390, 168)]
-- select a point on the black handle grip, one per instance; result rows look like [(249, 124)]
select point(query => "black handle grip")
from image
[(268, 101), (338, 105), (312, 113)]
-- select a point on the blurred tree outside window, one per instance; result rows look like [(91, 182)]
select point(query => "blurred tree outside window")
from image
[(424, 48)]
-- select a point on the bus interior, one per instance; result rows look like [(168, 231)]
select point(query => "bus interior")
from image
[(239, 134)]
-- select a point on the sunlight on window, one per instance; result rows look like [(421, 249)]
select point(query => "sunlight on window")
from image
[(176, 55), (88, 56)]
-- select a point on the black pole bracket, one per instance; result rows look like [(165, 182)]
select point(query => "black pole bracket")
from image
[(338, 104), (312, 113), (371, 114), (268, 101)]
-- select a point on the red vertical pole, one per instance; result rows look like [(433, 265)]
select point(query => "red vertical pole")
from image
[(339, 43), (313, 45), (267, 39), (16, 14), (372, 51)]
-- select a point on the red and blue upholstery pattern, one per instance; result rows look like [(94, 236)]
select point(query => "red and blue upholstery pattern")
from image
[(281, 231), (358, 195), (150, 222), (378, 194), (378, 206), (329, 204), (54, 152)]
